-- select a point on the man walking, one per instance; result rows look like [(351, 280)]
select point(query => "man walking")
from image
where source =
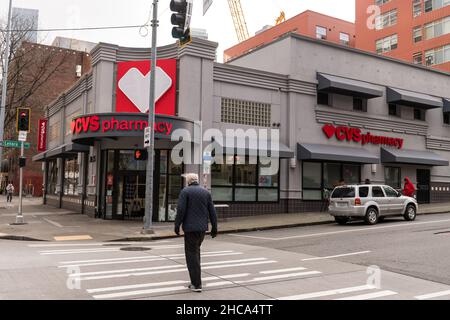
[(9, 192), (195, 206)]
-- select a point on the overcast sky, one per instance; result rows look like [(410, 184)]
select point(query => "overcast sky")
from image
[(217, 21)]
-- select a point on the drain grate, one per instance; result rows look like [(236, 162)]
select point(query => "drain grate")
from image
[(135, 249)]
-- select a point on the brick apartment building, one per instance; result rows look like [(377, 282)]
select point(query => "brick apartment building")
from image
[(416, 31), (307, 23), (37, 77)]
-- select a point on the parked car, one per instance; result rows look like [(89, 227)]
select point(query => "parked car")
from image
[(370, 202)]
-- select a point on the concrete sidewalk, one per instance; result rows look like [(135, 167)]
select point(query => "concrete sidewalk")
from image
[(46, 223)]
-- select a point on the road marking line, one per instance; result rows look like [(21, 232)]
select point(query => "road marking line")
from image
[(122, 275), (86, 244), (163, 267), (370, 295), (138, 292), (79, 251), (53, 223), (281, 276), (148, 259), (343, 231), (337, 256), (156, 284), (282, 270), (138, 257), (73, 238), (433, 295), (326, 293)]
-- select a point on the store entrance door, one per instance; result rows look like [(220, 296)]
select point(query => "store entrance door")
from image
[(423, 185), (131, 195)]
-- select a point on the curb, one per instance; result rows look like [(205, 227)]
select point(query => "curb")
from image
[(251, 229)]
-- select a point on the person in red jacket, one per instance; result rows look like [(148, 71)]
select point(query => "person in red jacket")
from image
[(409, 188)]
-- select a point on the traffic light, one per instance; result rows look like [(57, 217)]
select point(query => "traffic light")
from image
[(22, 162), (181, 20), (140, 154), (23, 119)]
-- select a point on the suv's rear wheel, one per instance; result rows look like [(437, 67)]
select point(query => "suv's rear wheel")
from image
[(342, 220), (371, 216), (410, 213)]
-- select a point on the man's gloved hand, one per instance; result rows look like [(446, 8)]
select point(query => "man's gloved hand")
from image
[(213, 233), (177, 230)]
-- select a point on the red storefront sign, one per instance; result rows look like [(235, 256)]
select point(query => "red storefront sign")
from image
[(42, 135), (343, 133), (133, 86), (95, 124)]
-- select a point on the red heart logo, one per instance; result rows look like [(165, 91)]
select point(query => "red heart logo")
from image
[(329, 130)]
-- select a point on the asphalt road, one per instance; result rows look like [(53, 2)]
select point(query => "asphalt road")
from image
[(407, 261)]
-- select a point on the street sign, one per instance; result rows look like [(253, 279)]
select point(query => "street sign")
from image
[(22, 136), (147, 137), (14, 144), (206, 5)]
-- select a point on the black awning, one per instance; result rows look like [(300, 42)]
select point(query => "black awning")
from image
[(425, 158), (64, 151), (345, 86), (256, 147), (446, 105), (413, 99), (335, 153)]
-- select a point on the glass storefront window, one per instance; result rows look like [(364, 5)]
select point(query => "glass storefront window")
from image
[(351, 173), (331, 175), (71, 177), (312, 175), (392, 177), (52, 178), (243, 181), (127, 162)]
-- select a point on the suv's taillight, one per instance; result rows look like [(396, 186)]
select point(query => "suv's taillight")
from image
[(357, 202)]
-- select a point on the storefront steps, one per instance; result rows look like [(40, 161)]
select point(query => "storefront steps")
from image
[(49, 224)]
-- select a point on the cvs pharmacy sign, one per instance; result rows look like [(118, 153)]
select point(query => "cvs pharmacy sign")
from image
[(133, 86), (343, 133)]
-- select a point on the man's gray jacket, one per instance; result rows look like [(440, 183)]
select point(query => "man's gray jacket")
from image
[(195, 206)]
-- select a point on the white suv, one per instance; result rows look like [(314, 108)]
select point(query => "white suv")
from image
[(370, 202)]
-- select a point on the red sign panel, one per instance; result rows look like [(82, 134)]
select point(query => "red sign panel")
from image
[(42, 135), (343, 133), (133, 86)]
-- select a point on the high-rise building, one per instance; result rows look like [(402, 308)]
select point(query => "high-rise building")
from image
[(417, 31), (307, 23), (73, 44), (26, 20)]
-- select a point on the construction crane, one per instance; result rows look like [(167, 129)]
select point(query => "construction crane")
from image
[(238, 19)]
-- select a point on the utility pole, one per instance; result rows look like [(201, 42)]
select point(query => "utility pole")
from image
[(19, 218), (151, 120), (5, 81)]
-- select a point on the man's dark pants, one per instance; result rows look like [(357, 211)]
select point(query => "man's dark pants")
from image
[(192, 243)]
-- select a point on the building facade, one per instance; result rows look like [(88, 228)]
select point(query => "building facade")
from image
[(26, 20), (339, 114), (38, 76), (416, 31), (308, 23)]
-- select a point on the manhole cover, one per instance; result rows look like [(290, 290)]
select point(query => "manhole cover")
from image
[(135, 249)]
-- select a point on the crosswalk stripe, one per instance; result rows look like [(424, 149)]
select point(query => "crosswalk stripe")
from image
[(162, 267), (326, 293), (282, 270), (368, 296), (123, 275), (337, 256), (149, 259), (81, 251), (87, 244), (139, 257), (281, 276), (156, 284), (433, 295), (138, 292)]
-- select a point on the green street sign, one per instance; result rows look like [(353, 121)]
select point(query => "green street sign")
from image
[(14, 144)]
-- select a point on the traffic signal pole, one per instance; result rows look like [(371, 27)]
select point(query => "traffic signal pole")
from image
[(5, 80), (151, 120), (19, 218)]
